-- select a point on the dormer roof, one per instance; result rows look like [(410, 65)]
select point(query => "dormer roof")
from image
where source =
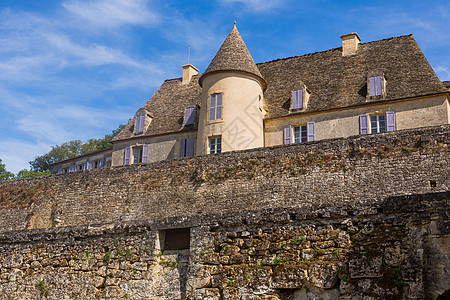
[(233, 56)]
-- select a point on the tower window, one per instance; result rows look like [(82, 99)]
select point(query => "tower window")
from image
[(215, 145), (215, 106)]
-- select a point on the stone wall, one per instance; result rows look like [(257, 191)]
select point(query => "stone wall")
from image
[(345, 218)]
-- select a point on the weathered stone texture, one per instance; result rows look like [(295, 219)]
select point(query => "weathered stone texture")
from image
[(344, 219)]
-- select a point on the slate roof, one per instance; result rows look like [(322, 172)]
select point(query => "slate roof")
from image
[(334, 81), (233, 55), (447, 84), (167, 106)]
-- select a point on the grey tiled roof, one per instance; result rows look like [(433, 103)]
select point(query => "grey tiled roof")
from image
[(233, 55), (340, 81), (334, 81), (167, 106)]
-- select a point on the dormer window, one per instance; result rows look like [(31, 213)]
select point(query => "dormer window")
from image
[(376, 86), (141, 121), (189, 116), (300, 98), (139, 126), (297, 99)]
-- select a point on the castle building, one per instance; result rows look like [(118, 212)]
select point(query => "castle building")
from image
[(359, 88)]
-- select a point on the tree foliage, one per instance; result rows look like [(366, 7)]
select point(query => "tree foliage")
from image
[(4, 174), (72, 149)]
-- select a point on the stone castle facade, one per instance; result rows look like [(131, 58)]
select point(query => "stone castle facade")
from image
[(359, 88)]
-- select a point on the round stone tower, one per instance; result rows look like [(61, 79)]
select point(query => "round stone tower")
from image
[(232, 110)]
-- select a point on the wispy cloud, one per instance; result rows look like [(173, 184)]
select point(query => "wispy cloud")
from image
[(107, 13), (255, 5)]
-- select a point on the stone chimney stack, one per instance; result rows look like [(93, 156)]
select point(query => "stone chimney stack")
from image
[(350, 42), (189, 71)]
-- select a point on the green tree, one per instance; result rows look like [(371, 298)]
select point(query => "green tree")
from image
[(72, 149), (4, 174), (26, 174)]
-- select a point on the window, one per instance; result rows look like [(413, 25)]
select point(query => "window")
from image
[(187, 147), (139, 125), (215, 145), (215, 106), (376, 86), (297, 99), (302, 133), (80, 167), (175, 239), (377, 123), (137, 155), (189, 116)]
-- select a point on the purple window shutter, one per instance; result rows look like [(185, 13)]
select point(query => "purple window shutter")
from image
[(219, 106), (212, 107), (101, 163), (189, 116), (137, 123), (390, 121), (377, 85), (294, 99), (364, 124), (183, 148), (311, 132), (287, 134), (60, 171), (145, 153), (127, 156), (372, 86), (189, 147), (141, 123), (300, 99)]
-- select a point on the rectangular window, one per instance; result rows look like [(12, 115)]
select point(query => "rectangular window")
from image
[(375, 86), (175, 239), (137, 155), (80, 167), (95, 164), (300, 134), (189, 116), (215, 106), (297, 99), (215, 145), (377, 123)]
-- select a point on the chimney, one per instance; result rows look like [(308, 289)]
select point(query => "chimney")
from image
[(189, 71), (350, 42)]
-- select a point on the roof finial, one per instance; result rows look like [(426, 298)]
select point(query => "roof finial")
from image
[(234, 27)]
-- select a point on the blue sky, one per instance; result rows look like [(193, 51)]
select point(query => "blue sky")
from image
[(76, 69)]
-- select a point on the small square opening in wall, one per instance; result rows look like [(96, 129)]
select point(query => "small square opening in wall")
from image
[(432, 183), (175, 239)]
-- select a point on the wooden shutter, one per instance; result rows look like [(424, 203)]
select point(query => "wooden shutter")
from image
[(287, 134), (364, 124), (297, 99), (101, 163), (212, 107), (377, 85), (390, 121), (145, 153), (372, 86), (189, 116), (189, 147), (127, 156), (310, 130), (140, 123), (219, 103)]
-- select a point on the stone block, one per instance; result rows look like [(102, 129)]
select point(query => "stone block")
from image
[(206, 294), (323, 275), (289, 276), (366, 266), (13, 261), (230, 250)]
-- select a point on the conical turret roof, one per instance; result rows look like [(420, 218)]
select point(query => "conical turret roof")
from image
[(233, 55)]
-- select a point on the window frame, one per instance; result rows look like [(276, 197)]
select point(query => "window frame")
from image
[(215, 107), (376, 118), (303, 129), (217, 150)]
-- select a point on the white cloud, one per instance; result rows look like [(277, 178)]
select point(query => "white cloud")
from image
[(107, 13), (256, 5), (442, 72), (16, 154)]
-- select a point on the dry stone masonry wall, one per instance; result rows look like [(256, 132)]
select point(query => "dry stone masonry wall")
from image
[(358, 218)]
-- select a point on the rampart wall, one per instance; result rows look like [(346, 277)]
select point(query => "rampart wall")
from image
[(365, 216)]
